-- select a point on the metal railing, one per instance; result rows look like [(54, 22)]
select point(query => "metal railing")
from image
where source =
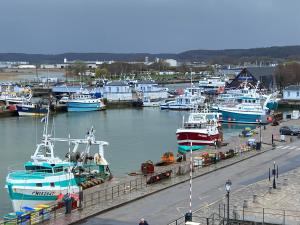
[(242, 215), (110, 193), (107, 195)]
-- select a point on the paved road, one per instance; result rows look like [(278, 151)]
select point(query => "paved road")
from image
[(167, 205)]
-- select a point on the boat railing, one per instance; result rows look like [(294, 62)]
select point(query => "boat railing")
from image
[(21, 169)]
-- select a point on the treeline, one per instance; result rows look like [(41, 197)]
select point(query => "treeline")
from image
[(287, 74), (123, 68), (229, 56)]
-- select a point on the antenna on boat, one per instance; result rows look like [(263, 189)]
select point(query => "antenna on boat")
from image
[(45, 133)]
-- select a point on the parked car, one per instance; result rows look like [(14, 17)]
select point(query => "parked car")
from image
[(289, 130)]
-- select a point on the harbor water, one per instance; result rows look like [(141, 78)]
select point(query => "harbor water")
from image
[(134, 136)]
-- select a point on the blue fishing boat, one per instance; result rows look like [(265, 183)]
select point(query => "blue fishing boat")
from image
[(31, 109), (246, 110), (84, 103)]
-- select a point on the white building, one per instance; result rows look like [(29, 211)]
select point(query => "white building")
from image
[(26, 66), (291, 92), (171, 62), (48, 66), (118, 91), (167, 73), (151, 90)]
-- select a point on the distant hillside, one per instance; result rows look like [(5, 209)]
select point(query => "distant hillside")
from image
[(212, 56), (285, 52)]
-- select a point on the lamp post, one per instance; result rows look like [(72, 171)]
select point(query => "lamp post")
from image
[(274, 175), (227, 188), (188, 215), (260, 132)]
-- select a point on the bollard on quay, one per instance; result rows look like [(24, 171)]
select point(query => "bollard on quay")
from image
[(254, 198)]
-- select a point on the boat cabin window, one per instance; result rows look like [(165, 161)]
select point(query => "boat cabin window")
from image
[(52, 184), (58, 169), (39, 185), (38, 169)]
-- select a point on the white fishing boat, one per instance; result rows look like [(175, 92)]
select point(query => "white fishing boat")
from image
[(14, 98), (147, 102), (211, 84), (187, 101), (46, 177)]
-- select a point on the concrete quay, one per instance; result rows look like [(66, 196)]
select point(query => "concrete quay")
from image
[(258, 202), (136, 191)]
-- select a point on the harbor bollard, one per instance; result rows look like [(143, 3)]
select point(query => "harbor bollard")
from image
[(68, 204), (188, 217), (80, 199), (270, 190), (254, 198), (235, 213)]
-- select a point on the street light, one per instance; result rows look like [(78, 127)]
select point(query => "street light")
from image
[(188, 215), (274, 174), (227, 188)]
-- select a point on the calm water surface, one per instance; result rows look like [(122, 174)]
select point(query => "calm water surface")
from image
[(135, 135)]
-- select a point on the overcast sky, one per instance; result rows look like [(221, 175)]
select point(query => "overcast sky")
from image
[(154, 26)]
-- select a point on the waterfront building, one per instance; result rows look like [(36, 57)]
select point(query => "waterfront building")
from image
[(171, 62), (252, 75), (118, 91), (291, 92), (151, 90)]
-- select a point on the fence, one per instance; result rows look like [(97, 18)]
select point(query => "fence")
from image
[(218, 216), (106, 195)]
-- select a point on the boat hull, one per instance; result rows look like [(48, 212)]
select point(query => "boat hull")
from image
[(31, 111), (32, 198), (242, 117), (177, 107), (84, 107), (197, 138)]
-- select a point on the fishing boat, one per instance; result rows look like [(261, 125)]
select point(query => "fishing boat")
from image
[(247, 91), (14, 98), (202, 128), (212, 84), (31, 109), (247, 110), (147, 102), (84, 102), (187, 101), (46, 177)]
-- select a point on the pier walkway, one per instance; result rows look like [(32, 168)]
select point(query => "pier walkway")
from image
[(258, 202)]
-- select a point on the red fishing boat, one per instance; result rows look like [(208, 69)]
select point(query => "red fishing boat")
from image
[(201, 128)]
